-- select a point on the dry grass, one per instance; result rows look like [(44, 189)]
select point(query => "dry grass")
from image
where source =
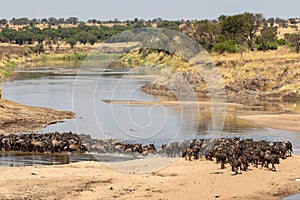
[(281, 53)]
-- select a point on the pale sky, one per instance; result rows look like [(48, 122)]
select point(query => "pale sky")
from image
[(146, 9)]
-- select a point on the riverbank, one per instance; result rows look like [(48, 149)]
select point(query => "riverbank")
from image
[(277, 121), (17, 118), (270, 75), (181, 180), (12, 56)]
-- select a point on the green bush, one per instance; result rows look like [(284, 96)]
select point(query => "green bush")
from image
[(227, 46), (78, 56), (272, 45), (282, 42), (268, 46)]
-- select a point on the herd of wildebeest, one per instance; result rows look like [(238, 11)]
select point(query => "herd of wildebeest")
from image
[(238, 153)]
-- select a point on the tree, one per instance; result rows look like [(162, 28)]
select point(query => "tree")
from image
[(44, 20), (72, 20), (92, 21), (82, 26), (281, 22), (9, 34), (92, 39), (82, 37), (205, 32), (2, 37), (294, 40), (72, 42), (168, 24), (34, 22), (267, 38), (293, 21), (241, 28), (52, 21), (20, 21), (40, 38), (3, 22), (20, 37), (271, 21), (61, 21)]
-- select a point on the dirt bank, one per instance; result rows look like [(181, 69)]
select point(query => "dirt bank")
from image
[(181, 180), (15, 118)]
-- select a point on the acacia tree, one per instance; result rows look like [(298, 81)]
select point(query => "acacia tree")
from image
[(294, 40), (241, 28), (205, 32), (267, 38), (92, 39), (72, 42), (271, 21)]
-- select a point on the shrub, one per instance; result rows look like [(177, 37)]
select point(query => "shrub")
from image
[(268, 46), (272, 45), (282, 42), (227, 46)]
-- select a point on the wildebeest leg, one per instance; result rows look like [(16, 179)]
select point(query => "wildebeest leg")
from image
[(273, 167), (262, 163), (222, 165)]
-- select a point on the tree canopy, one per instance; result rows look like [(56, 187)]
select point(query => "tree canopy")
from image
[(227, 33)]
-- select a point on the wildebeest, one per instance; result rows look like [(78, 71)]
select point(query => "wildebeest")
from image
[(270, 158)]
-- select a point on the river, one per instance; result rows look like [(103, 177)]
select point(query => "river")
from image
[(83, 91)]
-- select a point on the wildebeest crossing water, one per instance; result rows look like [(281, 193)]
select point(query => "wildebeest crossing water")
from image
[(239, 153)]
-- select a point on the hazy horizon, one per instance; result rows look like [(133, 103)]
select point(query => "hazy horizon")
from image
[(142, 9)]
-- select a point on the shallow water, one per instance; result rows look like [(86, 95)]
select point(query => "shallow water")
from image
[(17, 159), (82, 91), (293, 197)]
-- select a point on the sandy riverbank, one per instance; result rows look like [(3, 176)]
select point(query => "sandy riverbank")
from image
[(173, 103), (277, 121), (16, 118), (181, 180)]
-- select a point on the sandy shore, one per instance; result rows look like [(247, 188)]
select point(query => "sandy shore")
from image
[(277, 121), (173, 103), (16, 118), (181, 180)]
